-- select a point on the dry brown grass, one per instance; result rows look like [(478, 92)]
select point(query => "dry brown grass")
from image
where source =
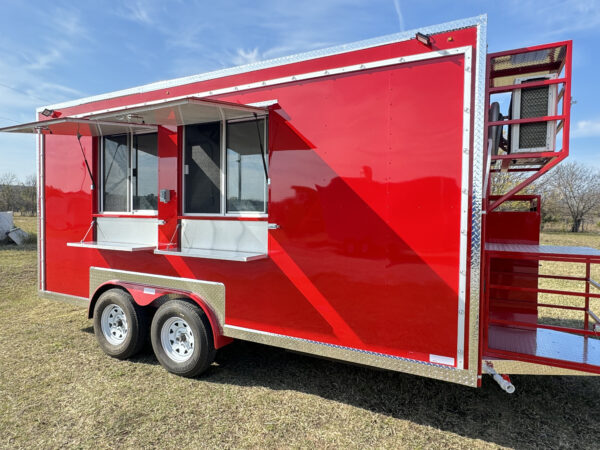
[(58, 389)]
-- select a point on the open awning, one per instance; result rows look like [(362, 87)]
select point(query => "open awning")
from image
[(184, 111), (141, 118), (69, 126)]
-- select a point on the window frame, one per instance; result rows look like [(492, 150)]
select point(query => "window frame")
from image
[(130, 211), (223, 172)]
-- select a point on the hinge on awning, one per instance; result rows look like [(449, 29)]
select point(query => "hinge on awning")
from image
[(86, 161)]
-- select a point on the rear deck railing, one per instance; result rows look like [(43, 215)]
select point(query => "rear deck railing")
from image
[(587, 295), (512, 305)]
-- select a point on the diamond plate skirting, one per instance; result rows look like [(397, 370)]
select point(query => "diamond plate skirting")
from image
[(212, 293), (356, 356)]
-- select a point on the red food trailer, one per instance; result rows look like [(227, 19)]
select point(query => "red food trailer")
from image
[(335, 203)]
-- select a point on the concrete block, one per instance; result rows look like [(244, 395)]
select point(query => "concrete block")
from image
[(6, 224), (18, 236)]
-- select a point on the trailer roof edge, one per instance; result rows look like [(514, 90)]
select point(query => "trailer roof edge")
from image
[(299, 57)]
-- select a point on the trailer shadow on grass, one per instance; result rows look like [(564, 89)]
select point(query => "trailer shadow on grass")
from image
[(544, 411), (547, 411)]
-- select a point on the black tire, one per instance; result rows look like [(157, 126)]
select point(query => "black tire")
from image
[(136, 320), (183, 319)]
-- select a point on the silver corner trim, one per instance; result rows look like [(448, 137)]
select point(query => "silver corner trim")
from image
[(360, 45), (65, 298), (476, 202), (41, 207), (464, 207)]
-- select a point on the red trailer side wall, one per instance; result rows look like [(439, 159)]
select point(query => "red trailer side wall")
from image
[(365, 184)]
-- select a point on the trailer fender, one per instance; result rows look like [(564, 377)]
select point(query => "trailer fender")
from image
[(145, 295)]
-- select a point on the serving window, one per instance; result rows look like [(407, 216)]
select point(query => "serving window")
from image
[(202, 170), (246, 181), (129, 167), (225, 168)]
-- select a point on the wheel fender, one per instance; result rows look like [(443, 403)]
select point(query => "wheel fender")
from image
[(144, 295)]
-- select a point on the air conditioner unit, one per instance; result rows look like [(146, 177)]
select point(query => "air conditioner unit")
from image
[(533, 102)]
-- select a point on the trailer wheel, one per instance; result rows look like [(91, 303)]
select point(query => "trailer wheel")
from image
[(121, 326), (182, 338)]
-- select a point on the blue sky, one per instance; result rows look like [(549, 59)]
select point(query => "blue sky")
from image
[(53, 51)]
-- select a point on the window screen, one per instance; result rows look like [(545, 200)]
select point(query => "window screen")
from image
[(246, 181), (202, 174), (144, 181), (115, 177)]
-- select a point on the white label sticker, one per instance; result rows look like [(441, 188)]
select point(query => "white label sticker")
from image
[(437, 359), (149, 291)]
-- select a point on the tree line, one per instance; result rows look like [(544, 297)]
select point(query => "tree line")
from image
[(570, 193), (18, 196)]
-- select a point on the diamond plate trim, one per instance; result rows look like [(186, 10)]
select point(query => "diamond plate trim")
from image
[(477, 186), (212, 293), (65, 298), (476, 202), (353, 355), (510, 367)]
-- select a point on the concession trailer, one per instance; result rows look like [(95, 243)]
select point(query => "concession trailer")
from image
[(336, 203)]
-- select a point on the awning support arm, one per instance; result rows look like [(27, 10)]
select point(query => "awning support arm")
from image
[(86, 161), (88, 231), (173, 236), (262, 150)]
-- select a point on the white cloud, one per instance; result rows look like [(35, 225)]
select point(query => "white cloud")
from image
[(67, 22), (245, 57), (208, 44), (559, 17), (587, 128), (400, 15), (138, 11), (30, 77), (43, 60)]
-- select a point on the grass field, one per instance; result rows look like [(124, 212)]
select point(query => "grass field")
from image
[(58, 389)]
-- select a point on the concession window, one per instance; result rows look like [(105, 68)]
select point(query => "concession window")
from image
[(208, 237), (190, 110), (109, 237), (125, 234)]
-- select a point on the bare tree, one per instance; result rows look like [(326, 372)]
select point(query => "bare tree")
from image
[(8, 191), (574, 189), (29, 195), (502, 182)]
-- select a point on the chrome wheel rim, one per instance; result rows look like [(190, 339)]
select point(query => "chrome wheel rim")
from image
[(177, 339), (114, 324)]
